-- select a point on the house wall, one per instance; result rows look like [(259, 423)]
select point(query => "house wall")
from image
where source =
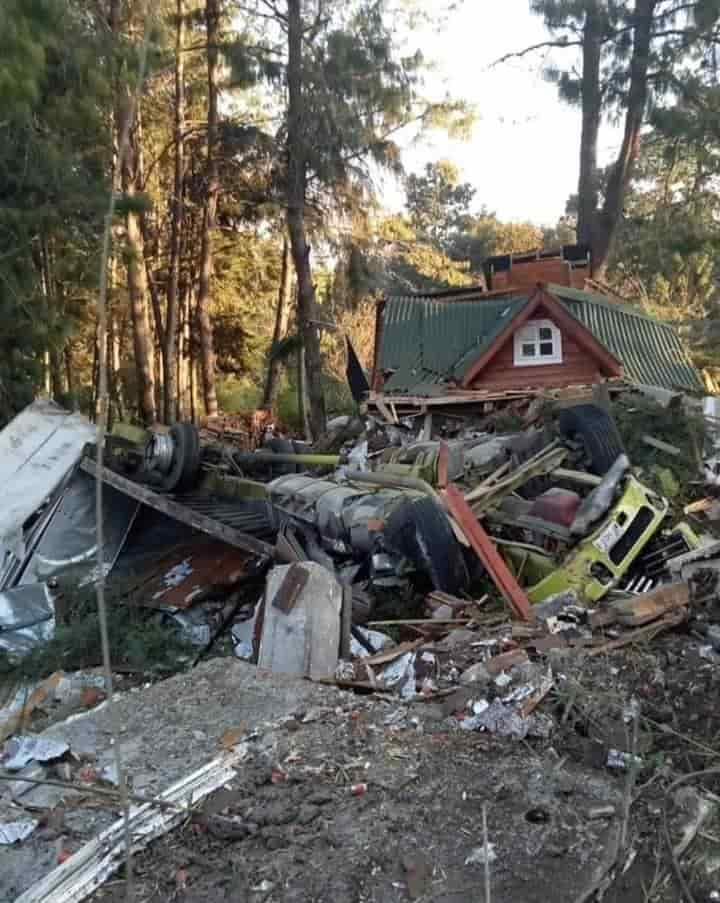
[(577, 367)]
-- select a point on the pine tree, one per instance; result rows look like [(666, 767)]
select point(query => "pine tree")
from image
[(630, 50)]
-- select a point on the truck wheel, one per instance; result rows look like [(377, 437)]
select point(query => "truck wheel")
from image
[(596, 431), (420, 531), (185, 468)]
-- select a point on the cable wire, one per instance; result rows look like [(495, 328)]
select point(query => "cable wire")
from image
[(101, 428)]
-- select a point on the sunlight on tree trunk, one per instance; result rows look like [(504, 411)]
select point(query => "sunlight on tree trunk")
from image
[(207, 350), (170, 346), (296, 191), (137, 291), (282, 315)]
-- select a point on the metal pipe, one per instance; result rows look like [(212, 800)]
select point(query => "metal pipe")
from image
[(309, 460)]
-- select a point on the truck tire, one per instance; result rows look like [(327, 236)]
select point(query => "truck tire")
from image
[(420, 531), (596, 431), (185, 469)]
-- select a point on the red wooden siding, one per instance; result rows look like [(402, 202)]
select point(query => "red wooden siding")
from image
[(577, 367)]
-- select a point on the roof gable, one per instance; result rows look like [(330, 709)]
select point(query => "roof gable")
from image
[(543, 301)]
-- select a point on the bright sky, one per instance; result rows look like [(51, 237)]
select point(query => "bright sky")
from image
[(523, 155)]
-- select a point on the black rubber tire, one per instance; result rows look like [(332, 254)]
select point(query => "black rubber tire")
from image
[(596, 430), (420, 531), (185, 469)]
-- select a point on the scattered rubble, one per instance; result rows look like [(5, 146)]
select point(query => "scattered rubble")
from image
[(446, 581)]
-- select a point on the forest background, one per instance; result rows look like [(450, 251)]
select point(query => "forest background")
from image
[(249, 146)]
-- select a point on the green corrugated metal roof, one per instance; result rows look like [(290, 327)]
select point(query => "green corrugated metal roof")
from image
[(651, 351), (429, 342)]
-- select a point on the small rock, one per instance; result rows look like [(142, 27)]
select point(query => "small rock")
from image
[(320, 798), (443, 613), (418, 874), (275, 843), (457, 702), (277, 814), (91, 696), (431, 712), (505, 661), (475, 675), (307, 813)]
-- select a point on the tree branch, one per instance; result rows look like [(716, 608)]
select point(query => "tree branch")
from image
[(543, 44)]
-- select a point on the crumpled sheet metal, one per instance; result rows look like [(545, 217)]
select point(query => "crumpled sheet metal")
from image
[(14, 831), (20, 751), (37, 449), (27, 618), (85, 871), (70, 539), (176, 579)]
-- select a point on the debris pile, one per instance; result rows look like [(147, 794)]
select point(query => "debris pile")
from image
[(431, 563)]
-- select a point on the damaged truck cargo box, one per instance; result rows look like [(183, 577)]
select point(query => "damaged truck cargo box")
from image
[(393, 529)]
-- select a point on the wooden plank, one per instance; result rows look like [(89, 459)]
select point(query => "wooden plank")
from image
[(545, 461), (639, 610), (412, 622), (389, 655), (385, 411), (178, 512), (485, 549), (672, 619), (699, 506)]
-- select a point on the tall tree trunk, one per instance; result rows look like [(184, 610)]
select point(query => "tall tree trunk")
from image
[(296, 192), (207, 350), (172, 316), (69, 360), (186, 283), (622, 169), (113, 358), (282, 315), (588, 187), (137, 286)]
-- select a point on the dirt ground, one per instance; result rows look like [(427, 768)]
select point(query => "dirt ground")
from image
[(351, 798), (289, 829)]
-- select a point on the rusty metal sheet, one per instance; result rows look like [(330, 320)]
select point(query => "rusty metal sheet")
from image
[(180, 577), (289, 590)]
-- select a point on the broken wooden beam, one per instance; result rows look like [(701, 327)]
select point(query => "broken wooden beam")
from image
[(640, 610), (672, 619), (485, 549)]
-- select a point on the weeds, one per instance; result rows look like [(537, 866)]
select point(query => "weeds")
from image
[(138, 641)]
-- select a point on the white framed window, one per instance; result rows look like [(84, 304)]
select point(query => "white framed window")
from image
[(538, 342)]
